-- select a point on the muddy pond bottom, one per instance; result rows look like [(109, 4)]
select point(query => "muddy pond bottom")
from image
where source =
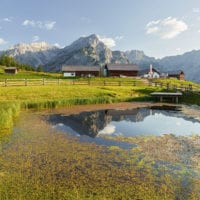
[(157, 120)]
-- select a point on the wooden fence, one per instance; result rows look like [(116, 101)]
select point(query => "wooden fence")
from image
[(37, 82), (180, 87), (46, 81)]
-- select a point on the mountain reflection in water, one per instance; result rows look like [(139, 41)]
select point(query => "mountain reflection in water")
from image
[(131, 122)]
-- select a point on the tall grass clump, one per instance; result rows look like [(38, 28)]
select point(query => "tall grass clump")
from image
[(46, 104), (8, 113)]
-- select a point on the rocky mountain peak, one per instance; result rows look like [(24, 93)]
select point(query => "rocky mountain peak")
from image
[(23, 48), (85, 42)]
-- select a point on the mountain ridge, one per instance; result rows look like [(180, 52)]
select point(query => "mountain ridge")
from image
[(90, 50)]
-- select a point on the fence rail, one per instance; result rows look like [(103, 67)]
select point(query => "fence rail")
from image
[(180, 87), (37, 82)]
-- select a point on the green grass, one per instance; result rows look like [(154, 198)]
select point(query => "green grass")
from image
[(29, 75), (70, 94), (8, 113)]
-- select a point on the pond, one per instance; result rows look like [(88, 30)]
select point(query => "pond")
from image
[(129, 122), (148, 152)]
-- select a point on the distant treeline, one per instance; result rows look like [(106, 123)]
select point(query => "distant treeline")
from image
[(11, 62)]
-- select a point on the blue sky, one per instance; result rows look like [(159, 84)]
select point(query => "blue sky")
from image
[(158, 27)]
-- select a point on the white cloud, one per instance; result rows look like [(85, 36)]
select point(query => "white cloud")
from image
[(167, 28), (35, 38), (7, 19), (108, 130), (110, 42), (48, 25), (57, 45), (196, 10), (2, 41)]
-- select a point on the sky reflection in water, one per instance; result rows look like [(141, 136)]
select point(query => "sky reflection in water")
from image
[(156, 124), (131, 122)]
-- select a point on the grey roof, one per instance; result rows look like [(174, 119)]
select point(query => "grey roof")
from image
[(123, 67), (177, 72), (73, 68), (7, 68)]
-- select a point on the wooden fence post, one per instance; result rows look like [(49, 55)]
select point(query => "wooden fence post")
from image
[(43, 81), (119, 83), (150, 83), (26, 81), (58, 81), (175, 87), (167, 86), (190, 87), (186, 88), (182, 87), (6, 81)]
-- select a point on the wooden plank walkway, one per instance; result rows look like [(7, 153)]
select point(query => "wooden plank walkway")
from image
[(173, 95)]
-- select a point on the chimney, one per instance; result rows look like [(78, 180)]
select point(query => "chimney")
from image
[(150, 70)]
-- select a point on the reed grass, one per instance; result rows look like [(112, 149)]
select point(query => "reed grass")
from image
[(8, 113)]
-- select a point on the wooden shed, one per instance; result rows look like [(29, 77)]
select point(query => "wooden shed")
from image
[(179, 74), (121, 69), (10, 70), (80, 71)]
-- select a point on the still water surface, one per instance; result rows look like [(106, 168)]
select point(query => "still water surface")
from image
[(129, 123)]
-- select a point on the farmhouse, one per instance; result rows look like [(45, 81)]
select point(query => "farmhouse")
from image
[(179, 74), (121, 70), (10, 70), (149, 73), (80, 71)]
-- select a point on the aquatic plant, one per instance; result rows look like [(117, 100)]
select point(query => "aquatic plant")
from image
[(45, 164)]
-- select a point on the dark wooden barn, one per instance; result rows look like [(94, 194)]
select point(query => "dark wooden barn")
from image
[(121, 70), (80, 71), (10, 70)]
